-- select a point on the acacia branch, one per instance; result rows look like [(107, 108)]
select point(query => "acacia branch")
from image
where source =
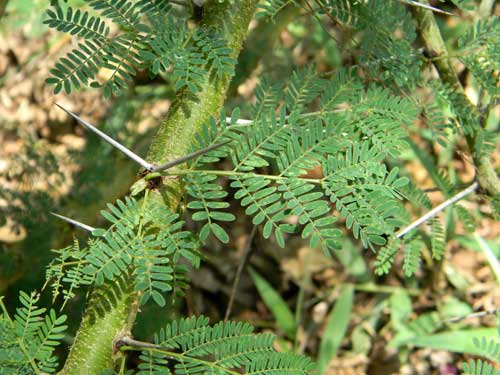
[(92, 350), (431, 35)]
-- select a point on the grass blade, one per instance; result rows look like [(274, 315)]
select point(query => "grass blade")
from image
[(338, 321), (454, 341), (490, 255), (279, 308)]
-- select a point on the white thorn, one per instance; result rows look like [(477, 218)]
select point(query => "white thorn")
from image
[(110, 140), (460, 195), (74, 222), (240, 121), (427, 6)]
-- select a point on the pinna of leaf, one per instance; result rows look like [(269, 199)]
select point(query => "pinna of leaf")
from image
[(154, 169)]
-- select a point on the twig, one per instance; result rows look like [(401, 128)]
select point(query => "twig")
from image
[(375, 288), (299, 306), (218, 172), (246, 122), (315, 15), (110, 140), (86, 227), (128, 343), (246, 256), (437, 209), (434, 44)]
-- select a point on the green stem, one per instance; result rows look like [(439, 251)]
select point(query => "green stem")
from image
[(217, 172), (176, 356), (431, 35), (103, 322), (189, 112)]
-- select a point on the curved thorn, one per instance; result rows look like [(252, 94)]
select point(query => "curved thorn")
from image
[(110, 140)]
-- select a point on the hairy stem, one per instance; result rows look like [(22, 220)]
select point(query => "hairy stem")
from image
[(431, 35), (92, 350), (189, 112)]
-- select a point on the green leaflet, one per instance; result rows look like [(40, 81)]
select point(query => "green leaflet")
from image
[(207, 195), (438, 241), (28, 341), (151, 38), (412, 256), (364, 193), (355, 179), (480, 49), (385, 257), (478, 367)]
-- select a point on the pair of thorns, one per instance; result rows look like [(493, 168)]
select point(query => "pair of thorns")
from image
[(146, 165), (143, 163)]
